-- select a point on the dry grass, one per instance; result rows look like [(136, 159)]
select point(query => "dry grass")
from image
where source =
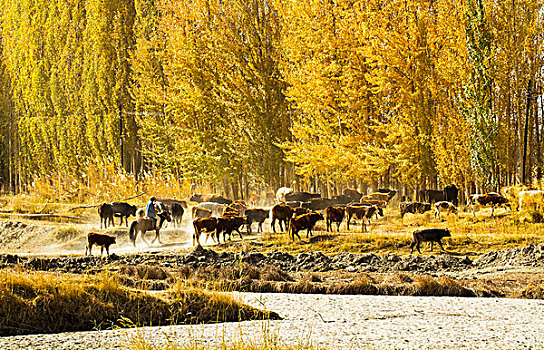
[(50, 303), (265, 340), (270, 279)]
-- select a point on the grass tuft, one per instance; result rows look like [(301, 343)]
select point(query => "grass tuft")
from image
[(50, 303)]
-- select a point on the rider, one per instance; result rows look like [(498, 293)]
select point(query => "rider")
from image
[(151, 211)]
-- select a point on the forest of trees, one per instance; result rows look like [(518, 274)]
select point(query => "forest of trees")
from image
[(249, 95)]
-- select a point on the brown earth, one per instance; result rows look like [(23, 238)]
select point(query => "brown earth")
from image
[(516, 272)]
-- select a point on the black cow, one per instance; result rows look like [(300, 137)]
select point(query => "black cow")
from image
[(318, 204), (340, 199), (301, 196), (353, 194), (229, 224), (123, 210), (431, 196), (451, 194), (258, 216), (428, 235), (215, 198), (177, 214), (391, 193), (105, 212)]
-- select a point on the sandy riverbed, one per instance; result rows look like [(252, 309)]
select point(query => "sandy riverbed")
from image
[(342, 322)]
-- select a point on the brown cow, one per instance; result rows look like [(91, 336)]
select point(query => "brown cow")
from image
[(283, 214), (334, 214), (100, 239), (208, 225), (201, 213), (428, 235), (492, 198), (363, 212), (306, 221)]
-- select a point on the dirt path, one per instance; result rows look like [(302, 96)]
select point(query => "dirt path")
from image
[(342, 322)]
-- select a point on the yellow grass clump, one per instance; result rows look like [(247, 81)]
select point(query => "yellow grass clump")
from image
[(49, 303)]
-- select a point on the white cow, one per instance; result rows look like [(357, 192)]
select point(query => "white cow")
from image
[(281, 192)]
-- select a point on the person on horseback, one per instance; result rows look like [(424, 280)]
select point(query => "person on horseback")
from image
[(151, 211)]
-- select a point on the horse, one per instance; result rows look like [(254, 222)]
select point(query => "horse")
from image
[(144, 224)]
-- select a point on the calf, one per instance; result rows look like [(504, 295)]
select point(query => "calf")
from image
[(492, 198), (414, 208), (363, 212), (201, 213), (177, 214), (444, 206), (283, 214), (208, 225), (306, 221), (229, 224), (258, 216), (105, 211), (334, 214), (100, 239), (428, 235)]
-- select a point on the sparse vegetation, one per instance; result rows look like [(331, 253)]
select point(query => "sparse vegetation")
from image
[(47, 303)]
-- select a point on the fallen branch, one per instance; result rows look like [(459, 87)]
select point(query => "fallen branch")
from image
[(85, 206), (31, 216), (45, 206)]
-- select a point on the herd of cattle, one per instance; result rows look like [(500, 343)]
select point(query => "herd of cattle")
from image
[(296, 211)]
